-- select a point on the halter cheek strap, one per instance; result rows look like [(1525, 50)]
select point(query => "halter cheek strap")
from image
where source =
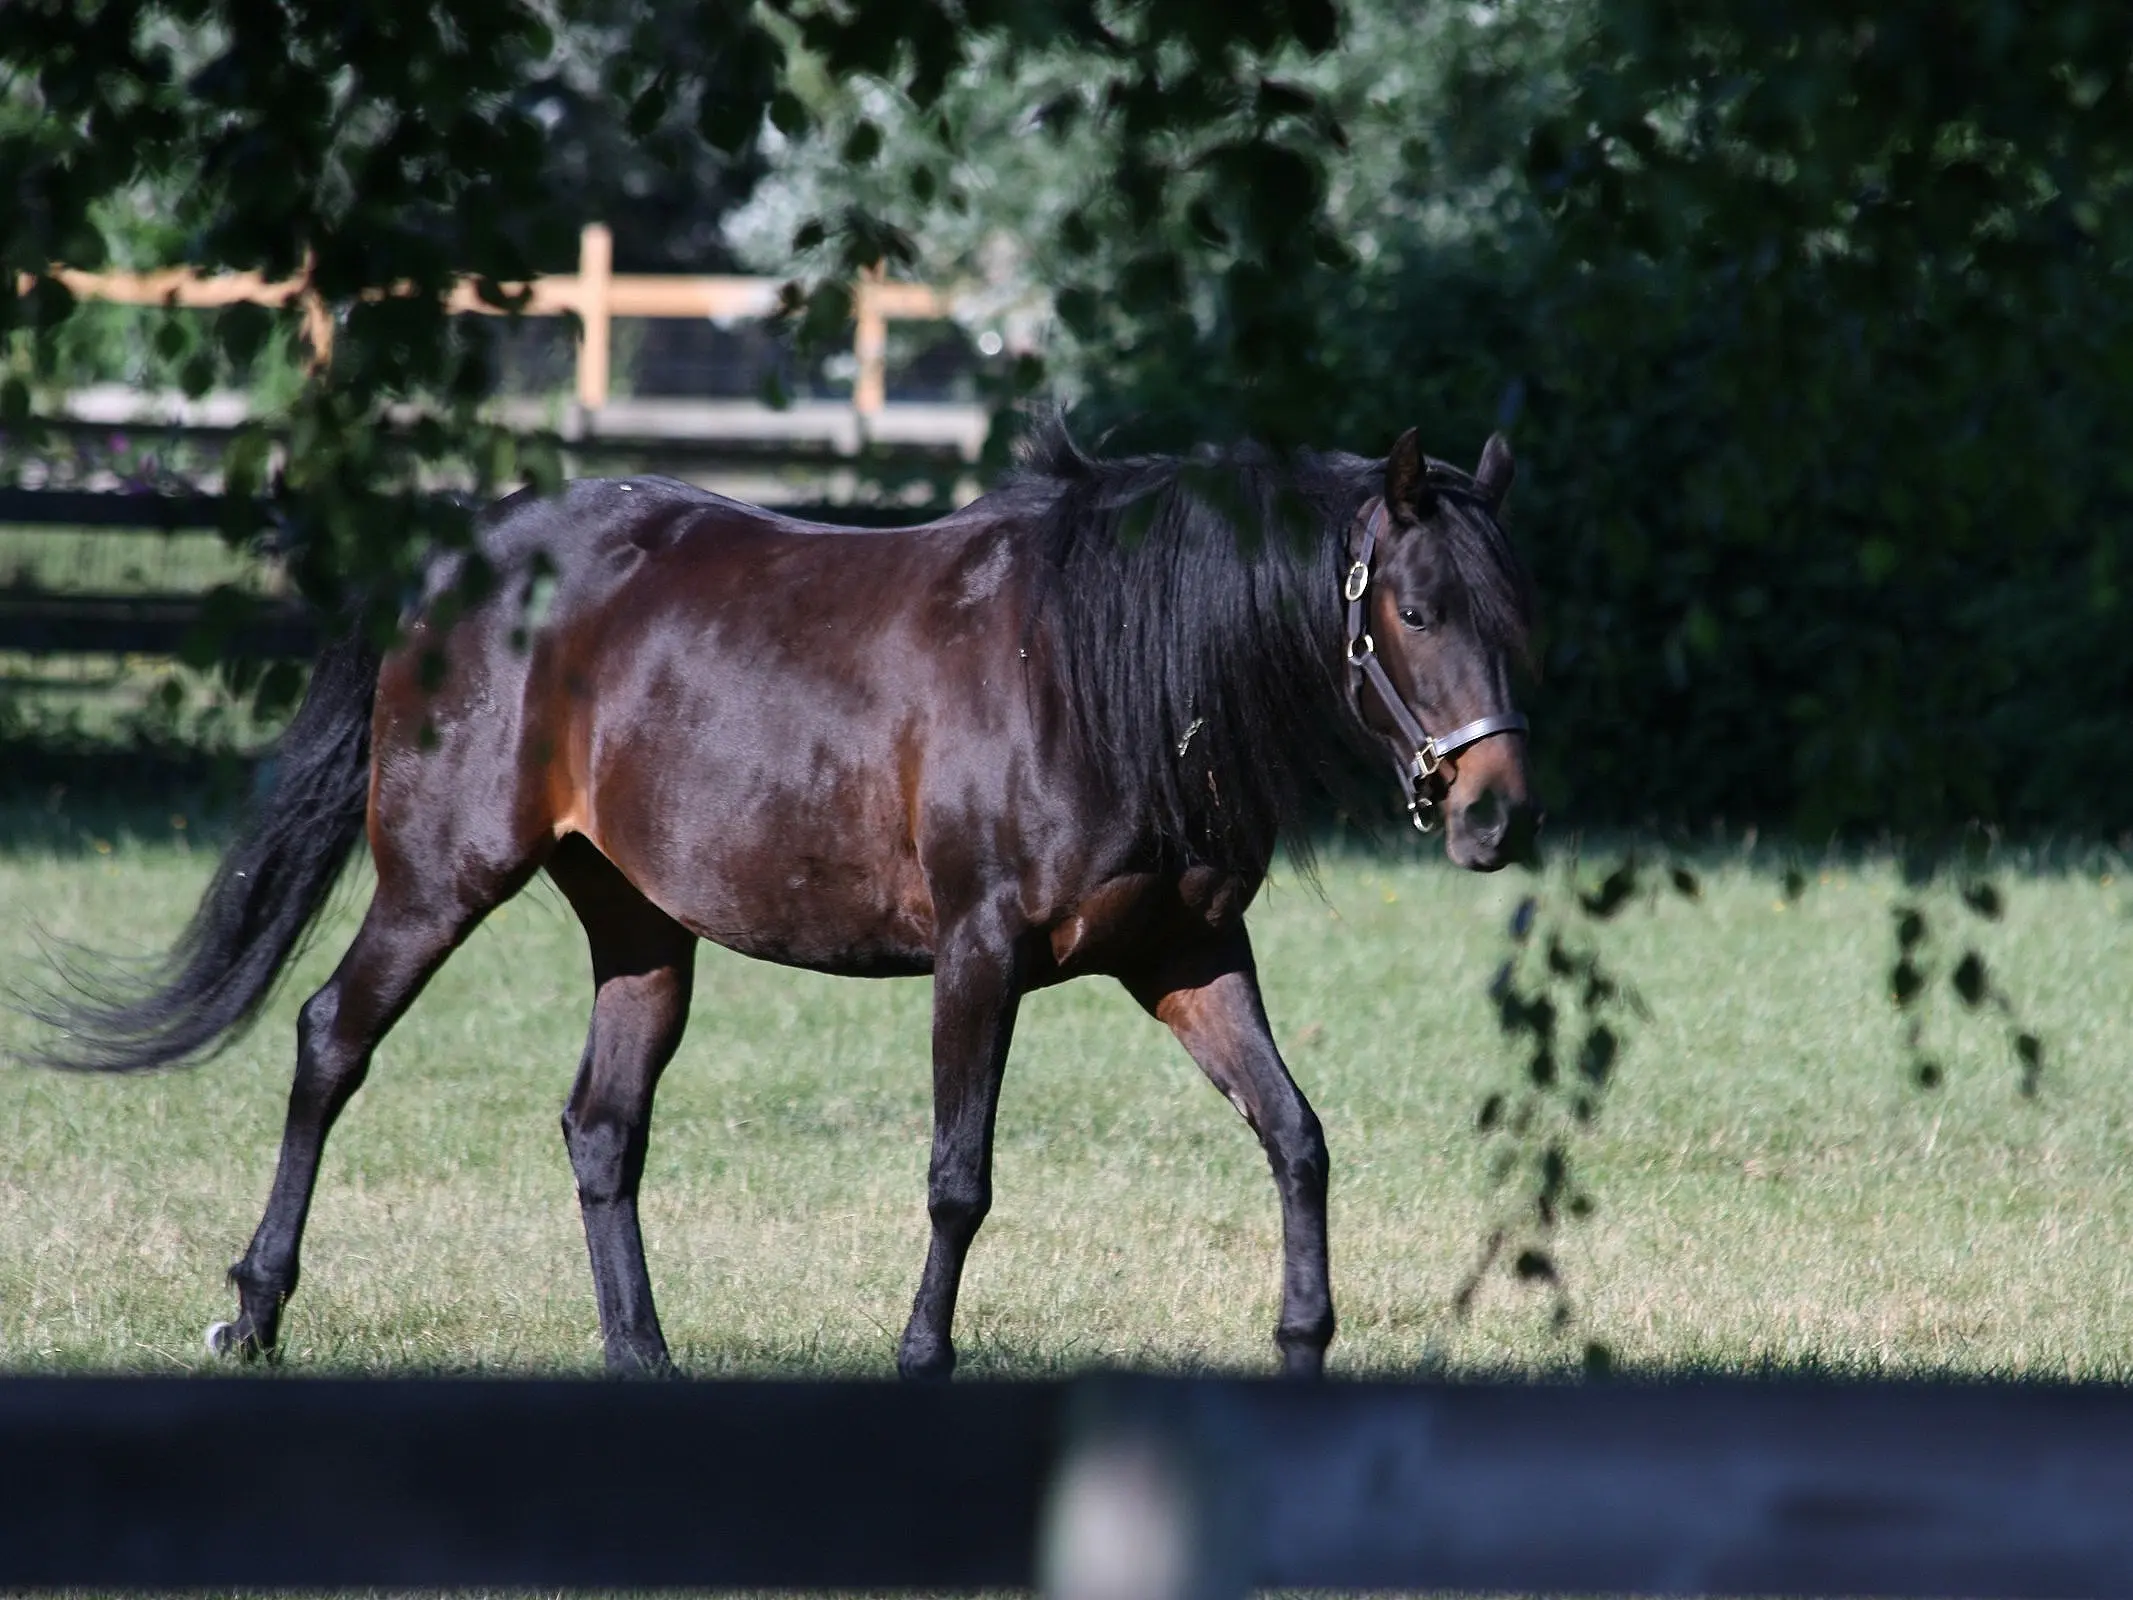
[(1418, 774)]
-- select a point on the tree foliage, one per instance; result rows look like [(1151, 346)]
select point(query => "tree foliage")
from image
[(1840, 305), (380, 153), (1808, 322)]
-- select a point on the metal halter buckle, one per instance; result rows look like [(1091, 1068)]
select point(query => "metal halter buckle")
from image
[(1358, 581), (1421, 783)]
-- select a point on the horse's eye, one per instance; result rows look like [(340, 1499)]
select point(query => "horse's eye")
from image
[(1413, 618)]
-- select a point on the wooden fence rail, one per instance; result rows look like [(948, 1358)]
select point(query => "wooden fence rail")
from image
[(596, 293), (1105, 1489), (47, 622)]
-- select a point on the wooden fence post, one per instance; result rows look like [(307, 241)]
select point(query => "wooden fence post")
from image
[(318, 318), (870, 346), (596, 262)]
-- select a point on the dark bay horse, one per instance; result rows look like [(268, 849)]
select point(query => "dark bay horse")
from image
[(1060, 732)]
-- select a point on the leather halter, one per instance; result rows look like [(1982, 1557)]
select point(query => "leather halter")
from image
[(1420, 775)]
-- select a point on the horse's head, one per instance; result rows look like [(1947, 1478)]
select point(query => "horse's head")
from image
[(1438, 608)]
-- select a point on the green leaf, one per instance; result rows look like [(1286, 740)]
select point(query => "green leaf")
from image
[(1077, 236), (243, 331), (1059, 115), (51, 302), (788, 114), (650, 108), (1332, 251), (1315, 24), (1077, 308), (1151, 283), (244, 463), (197, 375), (862, 144), (1279, 99), (1200, 217)]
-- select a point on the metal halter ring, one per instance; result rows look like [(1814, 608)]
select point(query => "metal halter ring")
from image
[(1358, 581), (1360, 649)]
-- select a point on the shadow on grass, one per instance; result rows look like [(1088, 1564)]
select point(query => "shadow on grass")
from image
[(75, 798), (61, 794), (1775, 853)]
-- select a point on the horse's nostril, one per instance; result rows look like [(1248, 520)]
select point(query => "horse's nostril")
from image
[(1484, 818)]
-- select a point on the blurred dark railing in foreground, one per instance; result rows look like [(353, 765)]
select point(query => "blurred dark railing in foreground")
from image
[(1104, 1489)]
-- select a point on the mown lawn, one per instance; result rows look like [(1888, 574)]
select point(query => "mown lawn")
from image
[(1772, 1190)]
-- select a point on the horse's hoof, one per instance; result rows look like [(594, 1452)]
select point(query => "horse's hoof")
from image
[(926, 1363), (641, 1364), (221, 1338)]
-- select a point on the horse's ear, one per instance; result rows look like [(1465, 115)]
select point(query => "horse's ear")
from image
[(1407, 477), (1497, 469)]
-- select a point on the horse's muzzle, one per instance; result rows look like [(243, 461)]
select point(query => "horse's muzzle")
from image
[(1490, 819)]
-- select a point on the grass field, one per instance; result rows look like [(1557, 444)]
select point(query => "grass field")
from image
[(1771, 1190)]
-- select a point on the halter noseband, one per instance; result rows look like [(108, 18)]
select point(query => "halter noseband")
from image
[(1418, 775)]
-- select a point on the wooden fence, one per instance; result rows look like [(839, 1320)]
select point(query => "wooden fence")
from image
[(91, 621), (595, 292), (1105, 1489)]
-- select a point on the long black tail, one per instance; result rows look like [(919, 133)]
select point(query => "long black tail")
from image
[(266, 893)]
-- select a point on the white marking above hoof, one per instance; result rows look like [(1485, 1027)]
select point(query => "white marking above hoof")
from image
[(219, 1342)]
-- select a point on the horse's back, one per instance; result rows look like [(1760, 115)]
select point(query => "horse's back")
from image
[(757, 719)]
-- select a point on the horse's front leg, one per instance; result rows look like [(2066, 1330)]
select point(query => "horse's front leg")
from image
[(976, 990), (1207, 993)]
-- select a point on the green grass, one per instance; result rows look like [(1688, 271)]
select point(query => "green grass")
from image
[(1772, 1191)]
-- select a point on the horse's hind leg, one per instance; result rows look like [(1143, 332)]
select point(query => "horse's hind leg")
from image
[(1208, 995), (643, 965), (405, 937)]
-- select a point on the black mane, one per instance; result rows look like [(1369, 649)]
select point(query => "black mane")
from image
[(1194, 603)]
